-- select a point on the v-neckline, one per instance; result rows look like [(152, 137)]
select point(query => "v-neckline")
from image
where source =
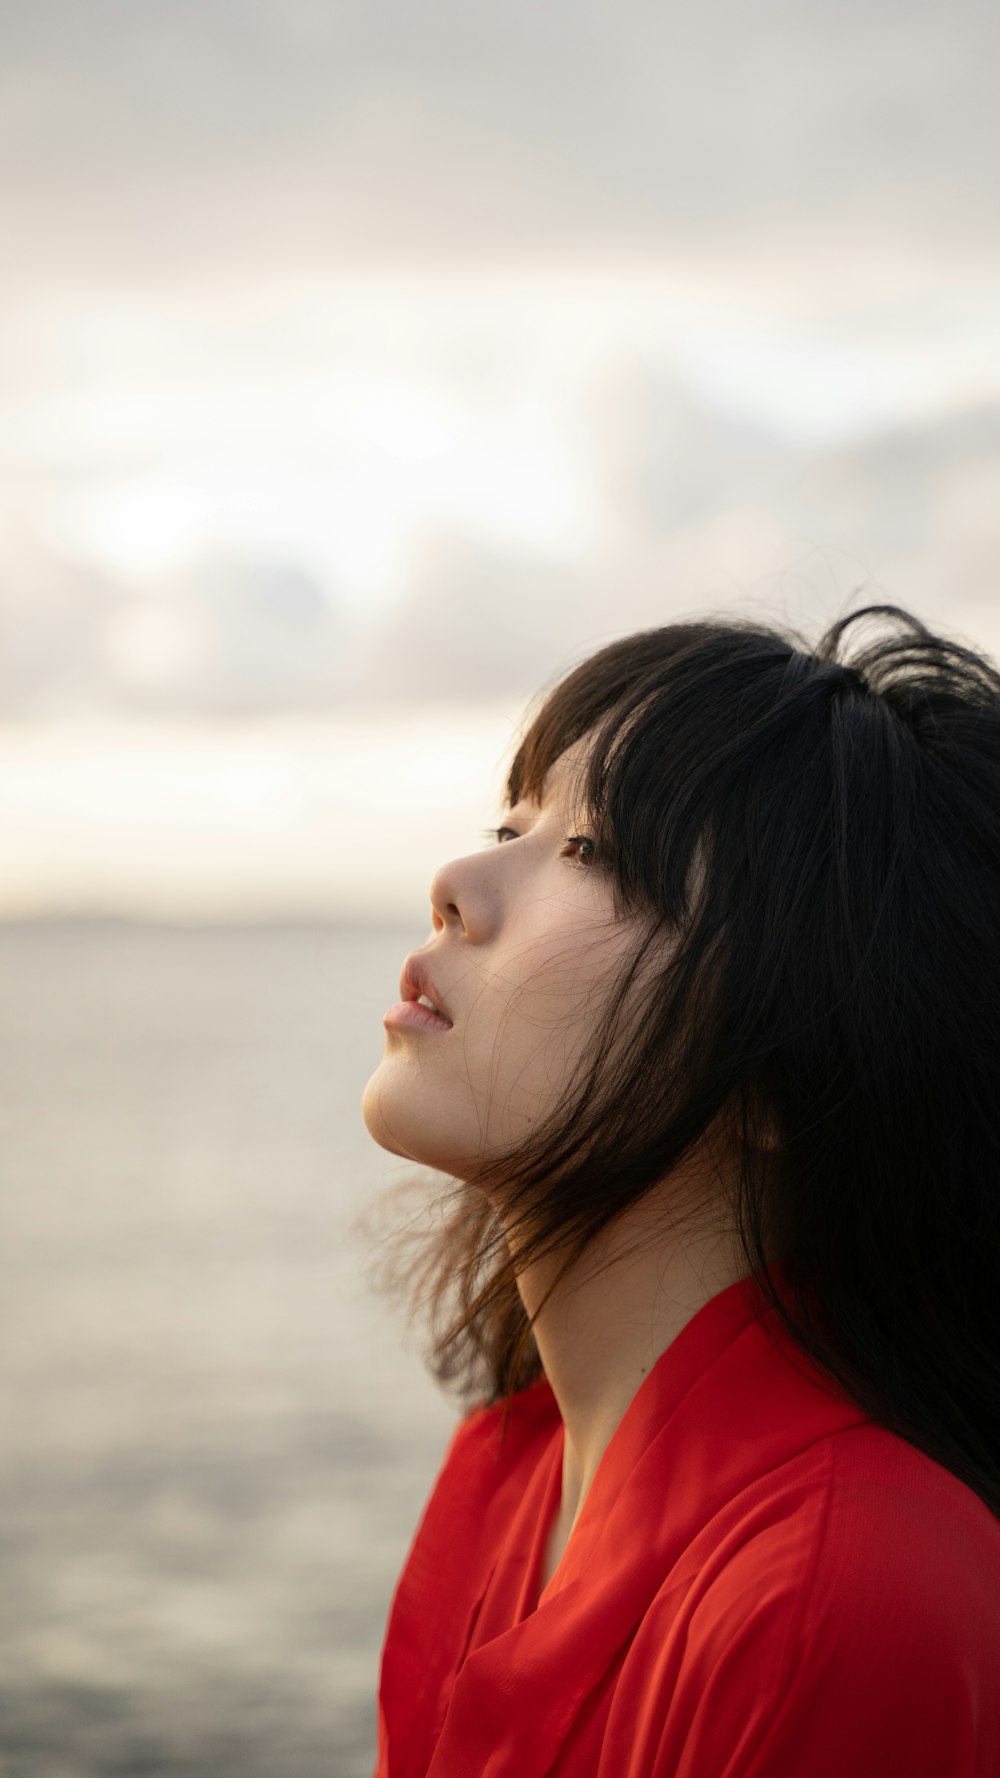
[(712, 1327)]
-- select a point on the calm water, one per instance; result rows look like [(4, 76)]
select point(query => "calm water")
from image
[(215, 1444)]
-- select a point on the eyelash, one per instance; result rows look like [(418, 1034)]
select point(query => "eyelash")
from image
[(576, 839)]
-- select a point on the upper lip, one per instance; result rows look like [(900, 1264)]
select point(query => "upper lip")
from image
[(415, 980)]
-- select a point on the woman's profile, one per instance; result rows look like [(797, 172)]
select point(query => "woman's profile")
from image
[(708, 1044)]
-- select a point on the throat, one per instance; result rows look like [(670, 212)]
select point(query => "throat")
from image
[(555, 1545)]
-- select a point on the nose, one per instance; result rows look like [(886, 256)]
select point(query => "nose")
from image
[(445, 909), (461, 899)]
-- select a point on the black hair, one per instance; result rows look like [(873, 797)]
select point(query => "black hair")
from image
[(818, 831)]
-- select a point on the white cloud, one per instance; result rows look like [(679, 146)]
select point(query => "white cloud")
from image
[(323, 818), (145, 136), (356, 356)]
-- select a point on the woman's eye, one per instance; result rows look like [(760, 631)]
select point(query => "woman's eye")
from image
[(587, 848)]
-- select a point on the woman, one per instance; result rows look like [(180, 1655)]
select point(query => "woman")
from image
[(714, 1062)]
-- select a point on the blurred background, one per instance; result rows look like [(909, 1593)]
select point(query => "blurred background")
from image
[(362, 367)]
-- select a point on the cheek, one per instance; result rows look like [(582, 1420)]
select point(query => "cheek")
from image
[(531, 1023), (447, 1100)]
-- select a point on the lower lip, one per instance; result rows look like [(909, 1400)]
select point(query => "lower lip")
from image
[(409, 1015)]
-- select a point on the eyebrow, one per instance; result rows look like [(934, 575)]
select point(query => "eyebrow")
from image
[(548, 799)]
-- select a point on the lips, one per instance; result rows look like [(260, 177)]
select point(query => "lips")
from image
[(416, 980)]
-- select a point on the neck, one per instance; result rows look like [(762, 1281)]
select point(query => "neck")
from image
[(609, 1319)]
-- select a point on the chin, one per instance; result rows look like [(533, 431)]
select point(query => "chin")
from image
[(373, 1110), (392, 1122), (402, 1127)]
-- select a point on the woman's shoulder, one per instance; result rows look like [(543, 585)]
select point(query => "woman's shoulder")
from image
[(846, 1618), (867, 1531), (909, 1539)]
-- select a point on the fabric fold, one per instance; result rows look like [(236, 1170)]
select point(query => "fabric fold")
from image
[(715, 1516)]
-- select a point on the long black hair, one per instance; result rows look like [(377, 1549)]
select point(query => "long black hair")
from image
[(818, 831)]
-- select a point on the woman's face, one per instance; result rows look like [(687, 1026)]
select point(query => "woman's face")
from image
[(523, 952)]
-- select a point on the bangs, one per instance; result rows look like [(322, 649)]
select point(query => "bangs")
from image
[(649, 813), (597, 688)]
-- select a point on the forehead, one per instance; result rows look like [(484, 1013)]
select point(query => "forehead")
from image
[(564, 778)]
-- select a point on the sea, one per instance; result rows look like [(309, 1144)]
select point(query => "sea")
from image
[(217, 1436)]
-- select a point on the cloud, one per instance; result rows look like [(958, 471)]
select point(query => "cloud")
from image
[(693, 512), (795, 537), (226, 637), (183, 136), (478, 624), (53, 614)]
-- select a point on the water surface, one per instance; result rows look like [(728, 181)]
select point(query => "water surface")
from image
[(215, 1443)]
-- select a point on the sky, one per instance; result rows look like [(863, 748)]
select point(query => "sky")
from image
[(364, 367)]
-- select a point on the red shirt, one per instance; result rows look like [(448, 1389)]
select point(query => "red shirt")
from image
[(762, 1583)]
